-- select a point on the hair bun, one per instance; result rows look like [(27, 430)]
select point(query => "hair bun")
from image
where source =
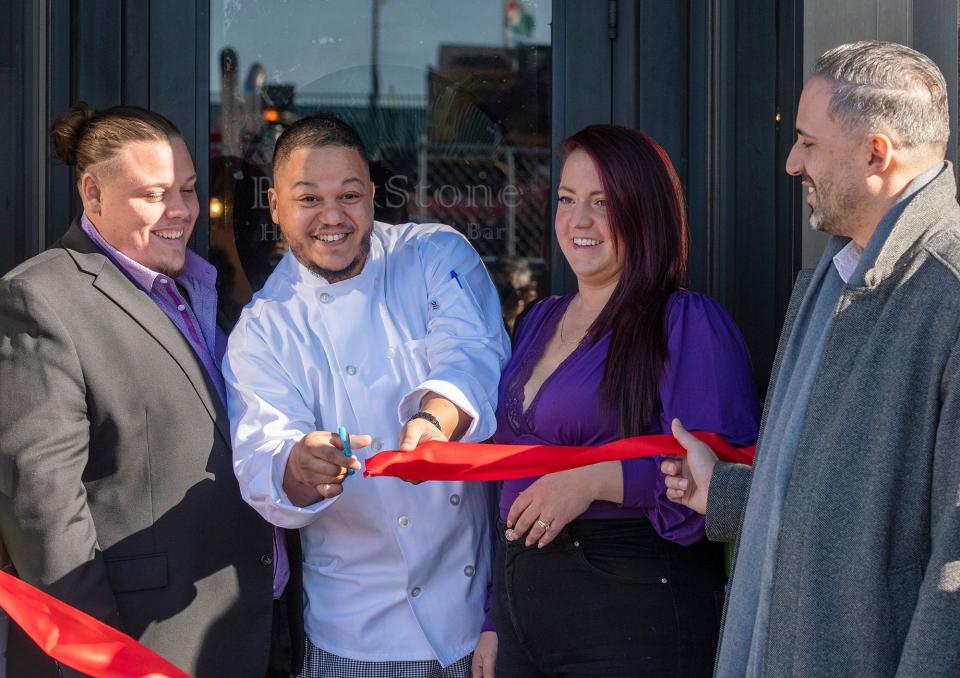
[(67, 130)]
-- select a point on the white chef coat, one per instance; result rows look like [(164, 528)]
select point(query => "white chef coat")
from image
[(392, 571)]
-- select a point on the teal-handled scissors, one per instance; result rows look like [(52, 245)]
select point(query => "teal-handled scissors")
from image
[(345, 439)]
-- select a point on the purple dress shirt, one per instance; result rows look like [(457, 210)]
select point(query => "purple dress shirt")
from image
[(707, 383), (197, 321)]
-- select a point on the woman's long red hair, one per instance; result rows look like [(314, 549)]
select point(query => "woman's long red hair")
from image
[(646, 212)]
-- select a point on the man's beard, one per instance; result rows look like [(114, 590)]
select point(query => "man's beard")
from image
[(335, 276), (835, 209), (168, 269), (172, 273)]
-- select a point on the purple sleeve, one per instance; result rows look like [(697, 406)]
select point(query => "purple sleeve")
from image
[(708, 384), (488, 611)]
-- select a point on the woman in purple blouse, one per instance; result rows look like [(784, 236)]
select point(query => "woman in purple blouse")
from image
[(599, 574)]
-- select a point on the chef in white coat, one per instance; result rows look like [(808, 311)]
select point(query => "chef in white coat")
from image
[(395, 333)]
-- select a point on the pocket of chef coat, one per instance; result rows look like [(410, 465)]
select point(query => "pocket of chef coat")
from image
[(411, 361), (456, 300)]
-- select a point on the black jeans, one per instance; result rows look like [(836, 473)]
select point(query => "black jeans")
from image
[(610, 599)]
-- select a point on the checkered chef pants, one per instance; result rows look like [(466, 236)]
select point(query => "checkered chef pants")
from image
[(318, 663)]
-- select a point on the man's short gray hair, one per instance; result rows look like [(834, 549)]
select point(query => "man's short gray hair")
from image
[(887, 87)]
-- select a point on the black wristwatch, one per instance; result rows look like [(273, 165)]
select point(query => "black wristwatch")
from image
[(429, 417)]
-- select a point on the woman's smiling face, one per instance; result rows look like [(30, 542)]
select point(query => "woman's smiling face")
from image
[(582, 223)]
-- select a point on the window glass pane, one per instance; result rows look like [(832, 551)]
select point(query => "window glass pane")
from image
[(452, 100)]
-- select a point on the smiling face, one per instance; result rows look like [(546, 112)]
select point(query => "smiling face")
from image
[(323, 202), (582, 225), (831, 162), (143, 201)]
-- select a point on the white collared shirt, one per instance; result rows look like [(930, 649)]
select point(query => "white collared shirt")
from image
[(392, 571), (847, 259)]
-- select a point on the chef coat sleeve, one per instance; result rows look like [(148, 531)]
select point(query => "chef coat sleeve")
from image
[(268, 416), (466, 343)]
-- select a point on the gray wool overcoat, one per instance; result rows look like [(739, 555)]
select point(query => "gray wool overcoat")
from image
[(867, 574)]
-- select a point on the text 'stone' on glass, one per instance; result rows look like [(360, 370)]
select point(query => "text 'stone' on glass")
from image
[(452, 100)]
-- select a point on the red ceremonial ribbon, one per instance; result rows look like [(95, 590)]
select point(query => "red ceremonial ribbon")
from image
[(486, 461), (78, 640)]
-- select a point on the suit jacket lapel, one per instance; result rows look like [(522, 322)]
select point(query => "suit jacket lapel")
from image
[(142, 309)]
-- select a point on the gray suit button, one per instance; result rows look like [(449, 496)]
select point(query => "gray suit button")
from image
[(469, 570), (326, 298), (351, 370), (266, 559), (455, 499), (415, 592)]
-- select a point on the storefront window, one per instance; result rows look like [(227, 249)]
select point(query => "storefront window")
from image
[(452, 100)]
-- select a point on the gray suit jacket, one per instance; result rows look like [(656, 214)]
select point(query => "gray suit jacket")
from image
[(867, 574), (117, 491)]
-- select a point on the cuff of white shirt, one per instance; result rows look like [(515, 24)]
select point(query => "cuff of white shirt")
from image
[(480, 428), (288, 514)]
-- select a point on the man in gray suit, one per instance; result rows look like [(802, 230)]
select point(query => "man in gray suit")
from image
[(848, 526), (117, 493)]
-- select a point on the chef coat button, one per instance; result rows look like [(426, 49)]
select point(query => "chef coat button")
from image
[(266, 559), (403, 521), (415, 592), (351, 370), (376, 445), (326, 298), (181, 307), (455, 499), (469, 570)]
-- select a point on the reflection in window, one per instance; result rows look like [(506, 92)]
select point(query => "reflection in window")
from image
[(452, 100)]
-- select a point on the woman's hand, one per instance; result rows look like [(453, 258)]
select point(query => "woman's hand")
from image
[(544, 509), (485, 656)]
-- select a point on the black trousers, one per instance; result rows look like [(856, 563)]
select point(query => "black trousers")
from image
[(610, 599)]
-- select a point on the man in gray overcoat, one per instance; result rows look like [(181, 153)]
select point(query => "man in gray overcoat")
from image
[(848, 525)]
